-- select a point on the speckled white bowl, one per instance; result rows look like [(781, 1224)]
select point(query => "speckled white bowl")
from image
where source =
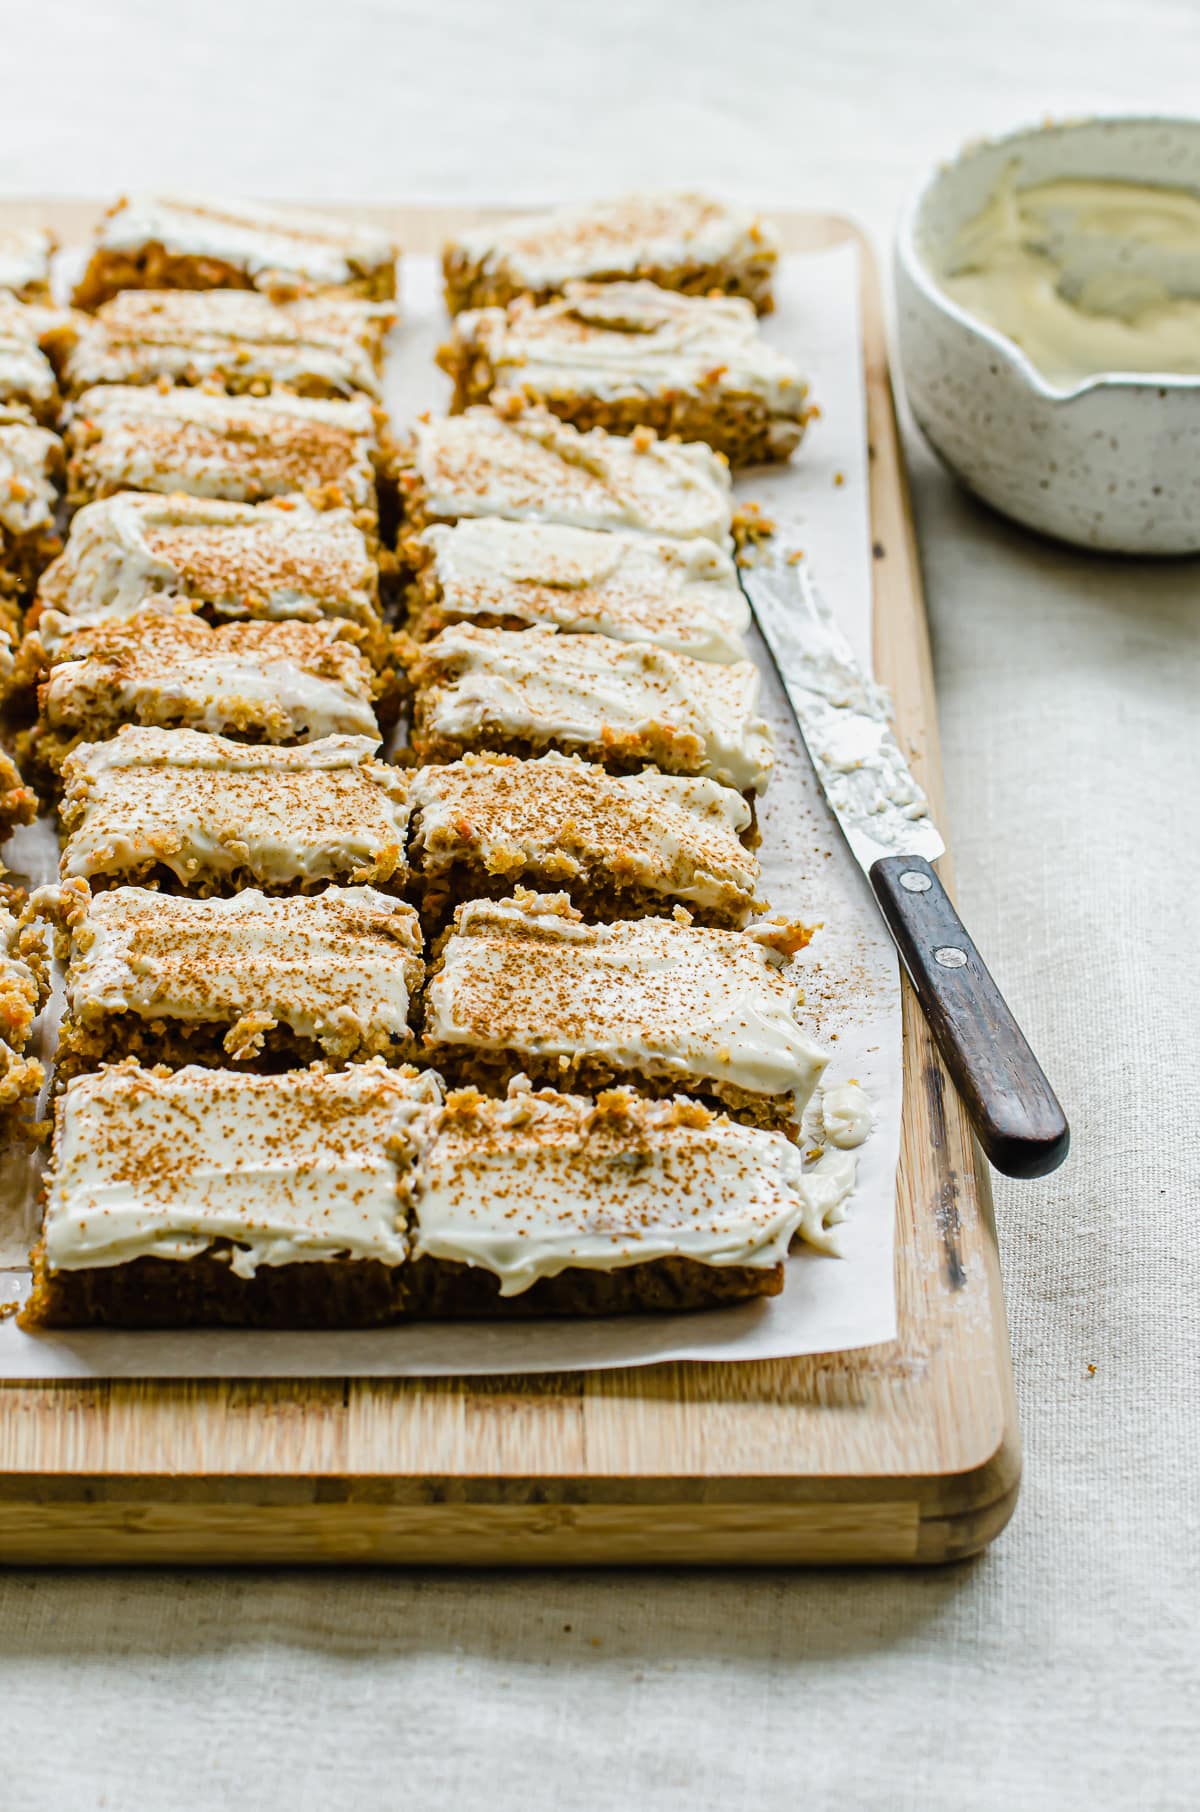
[(1111, 463)]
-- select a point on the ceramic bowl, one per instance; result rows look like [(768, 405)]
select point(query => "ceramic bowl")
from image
[(1110, 463)]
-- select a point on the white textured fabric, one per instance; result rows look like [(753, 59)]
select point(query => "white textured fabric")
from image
[(1060, 1672)]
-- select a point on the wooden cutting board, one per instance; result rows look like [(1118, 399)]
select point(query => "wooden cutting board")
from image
[(903, 1452)]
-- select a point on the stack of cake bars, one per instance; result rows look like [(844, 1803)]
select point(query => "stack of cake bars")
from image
[(492, 1026)]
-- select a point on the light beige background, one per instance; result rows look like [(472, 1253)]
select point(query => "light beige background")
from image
[(1061, 1670)]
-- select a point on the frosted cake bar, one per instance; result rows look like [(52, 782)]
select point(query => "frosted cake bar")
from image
[(625, 704), (552, 1204), (276, 561), (360, 1197), (210, 1197), (31, 476), (130, 437), (243, 980), (202, 815), (619, 845), (524, 986), (239, 341), (531, 467), (682, 595), (27, 378), (685, 242), (24, 990), (262, 682), (25, 254), (189, 242), (620, 356)]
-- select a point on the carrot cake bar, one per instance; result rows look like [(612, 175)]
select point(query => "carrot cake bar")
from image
[(682, 595), (529, 466), (31, 474), (185, 242), (259, 682), (24, 990), (240, 341), (276, 561), (246, 980), (209, 1197), (686, 242), (134, 437), (552, 1204), (626, 704), (625, 355), (202, 815), (25, 254), (619, 844), (18, 802), (523, 985), (27, 378)]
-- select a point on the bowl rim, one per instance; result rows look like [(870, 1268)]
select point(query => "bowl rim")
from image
[(919, 273)]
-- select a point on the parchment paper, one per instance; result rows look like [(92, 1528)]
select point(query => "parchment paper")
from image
[(851, 975)]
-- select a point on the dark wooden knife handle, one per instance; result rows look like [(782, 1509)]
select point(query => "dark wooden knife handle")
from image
[(1015, 1113)]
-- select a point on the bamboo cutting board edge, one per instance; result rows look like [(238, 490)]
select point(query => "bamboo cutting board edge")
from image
[(904, 1452)]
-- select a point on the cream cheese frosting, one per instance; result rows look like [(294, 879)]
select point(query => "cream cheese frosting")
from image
[(539, 1183), (337, 967), (243, 449), (566, 819), (288, 1169), (846, 1114), (25, 253), (1088, 277), (207, 809), (532, 467), (281, 559), (619, 340), (30, 466), (682, 595), (288, 682), (623, 237), (320, 343), (699, 717), (654, 997), (263, 242)]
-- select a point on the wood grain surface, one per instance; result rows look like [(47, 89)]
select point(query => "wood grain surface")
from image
[(903, 1452)]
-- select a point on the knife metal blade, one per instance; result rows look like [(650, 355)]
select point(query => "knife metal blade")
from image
[(845, 720)]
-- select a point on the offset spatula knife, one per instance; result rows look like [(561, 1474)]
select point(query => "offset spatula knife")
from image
[(884, 816)]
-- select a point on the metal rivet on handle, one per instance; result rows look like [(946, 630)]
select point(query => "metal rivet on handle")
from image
[(950, 957), (913, 881)]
